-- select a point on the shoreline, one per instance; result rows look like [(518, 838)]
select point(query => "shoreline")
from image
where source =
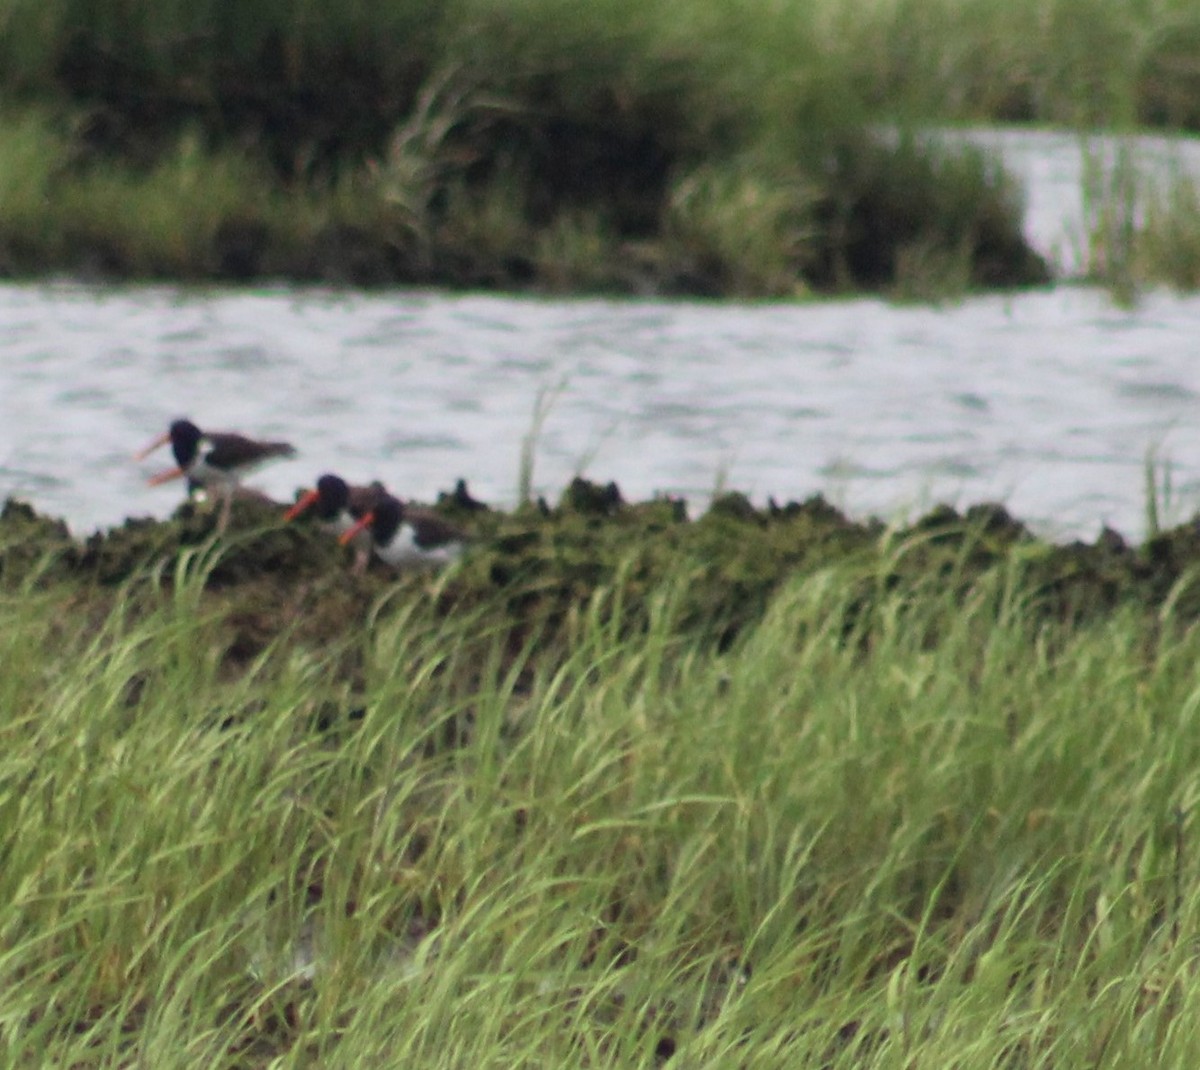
[(537, 565)]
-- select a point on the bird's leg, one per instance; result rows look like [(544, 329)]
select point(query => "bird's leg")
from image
[(226, 508), (362, 558)]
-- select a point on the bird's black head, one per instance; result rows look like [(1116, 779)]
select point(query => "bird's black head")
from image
[(388, 513), (185, 439), (333, 495)]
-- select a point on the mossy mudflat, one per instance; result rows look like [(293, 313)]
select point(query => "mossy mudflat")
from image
[(535, 569)]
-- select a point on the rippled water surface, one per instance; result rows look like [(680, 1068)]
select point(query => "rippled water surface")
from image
[(1048, 400)]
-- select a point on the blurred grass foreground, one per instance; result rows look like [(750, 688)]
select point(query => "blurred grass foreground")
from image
[(766, 788)]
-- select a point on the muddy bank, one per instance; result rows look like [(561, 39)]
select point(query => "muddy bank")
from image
[(540, 567)]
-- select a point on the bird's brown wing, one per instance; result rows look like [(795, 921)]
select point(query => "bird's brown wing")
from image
[(431, 530), (227, 450)]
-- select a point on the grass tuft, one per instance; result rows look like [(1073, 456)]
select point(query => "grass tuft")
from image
[(902, 812)]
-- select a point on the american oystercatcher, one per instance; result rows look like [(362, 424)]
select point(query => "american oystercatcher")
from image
[(339, 506), (215, 460), (402, 535)]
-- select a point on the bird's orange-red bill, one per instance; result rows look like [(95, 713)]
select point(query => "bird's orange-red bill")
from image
[(161, 440), (165, 477), (349, 534), (307, 499)]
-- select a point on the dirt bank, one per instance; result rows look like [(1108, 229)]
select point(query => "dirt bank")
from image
[(539, 566)]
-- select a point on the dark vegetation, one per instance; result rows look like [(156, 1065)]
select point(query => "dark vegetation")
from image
[(532, 571), (534, 145)]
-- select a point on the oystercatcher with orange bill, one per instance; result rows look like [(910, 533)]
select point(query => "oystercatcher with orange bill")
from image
[(403, 536), (339, 506), (215, 460)]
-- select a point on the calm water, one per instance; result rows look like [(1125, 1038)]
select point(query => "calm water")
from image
[(1049, 401)]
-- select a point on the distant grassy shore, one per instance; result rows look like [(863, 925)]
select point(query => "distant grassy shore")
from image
[(764, 788), (1090, 64), (716, 147), (621, 146)]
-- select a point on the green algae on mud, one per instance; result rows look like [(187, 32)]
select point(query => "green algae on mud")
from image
[(535, 570)]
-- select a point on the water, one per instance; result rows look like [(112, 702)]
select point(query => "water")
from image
[(1051, 167), (1049, 401)]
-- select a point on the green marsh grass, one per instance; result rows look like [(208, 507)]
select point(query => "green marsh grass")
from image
[(1076, 62), (1169, 233), (32, 156), (756, 227), (164, 221), (620, 148), (1085, 64), (617, 148), (1141, 227), (543, 404), (1114, 196), (929, 827)]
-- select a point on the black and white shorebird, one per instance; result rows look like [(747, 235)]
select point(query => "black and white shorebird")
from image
[(404, 536), (214, 460), (339, 506)]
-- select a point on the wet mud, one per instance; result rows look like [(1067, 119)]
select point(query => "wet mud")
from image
[(538, 567)]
